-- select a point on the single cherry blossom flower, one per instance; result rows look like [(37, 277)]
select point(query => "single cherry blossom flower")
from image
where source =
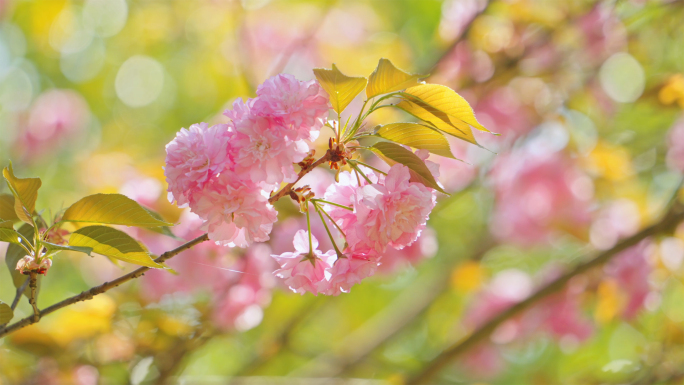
[(305, 269)]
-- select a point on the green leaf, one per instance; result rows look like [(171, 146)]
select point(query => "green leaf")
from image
[(9, 235), (341, 88), (112, 243), (417, 136), (15, 253), (448, 101), (6, 313), (7, 208), (164, 230), (25, 191), (6, 224), (53, 248), (387, 78), (113, 209), (394, 153)]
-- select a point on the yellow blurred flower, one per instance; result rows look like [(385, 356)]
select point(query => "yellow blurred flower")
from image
[(673, 91), (468, 277), (609, 301), (609, 161), (80, 321)]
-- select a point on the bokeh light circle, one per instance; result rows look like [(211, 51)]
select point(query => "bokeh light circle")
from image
[(622, 78), (105, 17), (139, 81)]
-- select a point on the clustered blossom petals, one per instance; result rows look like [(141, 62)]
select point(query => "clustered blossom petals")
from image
[(304, 270), (392, 213), (194, 156), (301, 107), (388, 213), (235, 212), (224, 172)]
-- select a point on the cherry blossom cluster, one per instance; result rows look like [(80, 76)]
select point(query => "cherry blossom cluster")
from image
[(377, 217), (226, 174)]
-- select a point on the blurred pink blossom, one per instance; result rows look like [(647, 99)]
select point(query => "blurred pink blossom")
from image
[(675, 141), (56, 117), (538, 195)]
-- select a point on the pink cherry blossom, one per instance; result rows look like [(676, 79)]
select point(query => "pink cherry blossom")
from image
[(538, 195), (304, 269), (235, 212), (390, 213), (263, 154), (301, 106), (350, 270), (193, 157), (56, 118), (631, 271), (675, 140), (343, 193)]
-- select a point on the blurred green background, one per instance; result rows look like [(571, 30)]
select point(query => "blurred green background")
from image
[(587, 97)]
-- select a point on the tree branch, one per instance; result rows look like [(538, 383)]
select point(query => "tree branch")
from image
[(89, 294), (33, 284), (288, 187), (671, 219)]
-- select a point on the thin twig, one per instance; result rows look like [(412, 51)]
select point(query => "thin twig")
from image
[(20, 292), (89, 294), (17, 297), (288, 187), (673, 217)]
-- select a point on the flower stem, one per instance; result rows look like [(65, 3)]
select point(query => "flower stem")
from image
[(327, 230), (332, 203), (355, 167), (366, 165), (308, 228)]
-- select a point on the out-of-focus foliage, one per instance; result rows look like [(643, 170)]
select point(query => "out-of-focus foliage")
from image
[(588, 99)]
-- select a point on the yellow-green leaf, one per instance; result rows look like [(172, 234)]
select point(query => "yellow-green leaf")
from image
[(417, 136), (9, 235), (7, 208), (25, 191), (387, 78), (6, 224), (437, 119), (341, 88), (394, 153), (112, 243), (6, 313), (448, 101), (113, 209), (53, 248)]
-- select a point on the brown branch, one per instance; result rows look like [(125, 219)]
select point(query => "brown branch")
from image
[(288, 187), (20, 291), (89, 294), (33, 284), (673, 217)]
